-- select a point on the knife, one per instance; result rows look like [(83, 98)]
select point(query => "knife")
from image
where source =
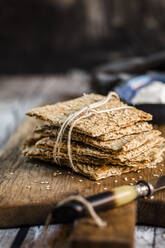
[(116, 197)]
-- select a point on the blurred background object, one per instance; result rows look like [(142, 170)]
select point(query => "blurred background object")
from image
[(48, 36)]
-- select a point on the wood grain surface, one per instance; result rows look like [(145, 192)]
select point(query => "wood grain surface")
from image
[(29, 191), (14, 101), (119, 231), (31, 185)]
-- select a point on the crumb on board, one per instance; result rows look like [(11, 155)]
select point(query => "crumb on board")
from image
[(155, 175), (28, 187)]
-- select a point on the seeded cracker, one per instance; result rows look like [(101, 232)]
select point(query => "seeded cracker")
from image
[(98, 172), (102, 145), (97, 124), (47, 130), (125, 143)]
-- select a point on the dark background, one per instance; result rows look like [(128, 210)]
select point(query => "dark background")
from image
[(50, 36)]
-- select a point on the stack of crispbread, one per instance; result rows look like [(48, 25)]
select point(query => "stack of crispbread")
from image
[(103, 144)]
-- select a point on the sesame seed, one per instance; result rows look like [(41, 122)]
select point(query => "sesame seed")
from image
[(80, 180), (11, 173), (133, 179), (125, 179), (152, 197), (131, 184), (116, 181), (155, 175), (140, 177), (98, 183), (105, 188), (54, 174), (138, 171), (28, 187)]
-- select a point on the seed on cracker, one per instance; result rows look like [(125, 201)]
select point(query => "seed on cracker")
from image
[(113, 140)]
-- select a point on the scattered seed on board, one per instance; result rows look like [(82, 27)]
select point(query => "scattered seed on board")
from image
[(116, 181), (125, 179), (80, 180), (140, 177), (138, 171), (11, 173), (44, 182), (105, 188), (155, 175), (98, 183), (133, 179)]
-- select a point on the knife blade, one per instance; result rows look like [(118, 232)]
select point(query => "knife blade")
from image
[(116, 197)]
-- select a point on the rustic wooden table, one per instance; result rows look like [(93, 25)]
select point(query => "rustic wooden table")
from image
[(17, 95)]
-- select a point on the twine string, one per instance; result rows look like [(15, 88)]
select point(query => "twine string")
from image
[(71, 117), (99, 222), (87, 111)]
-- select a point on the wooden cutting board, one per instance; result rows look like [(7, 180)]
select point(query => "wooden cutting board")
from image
[(29, 190)]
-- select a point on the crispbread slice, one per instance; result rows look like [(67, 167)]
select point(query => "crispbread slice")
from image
[(97, 173), (122, 156), (92, 171), (126, 142), (95, 125), (47, 130), (86, 155), (148, 157)]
